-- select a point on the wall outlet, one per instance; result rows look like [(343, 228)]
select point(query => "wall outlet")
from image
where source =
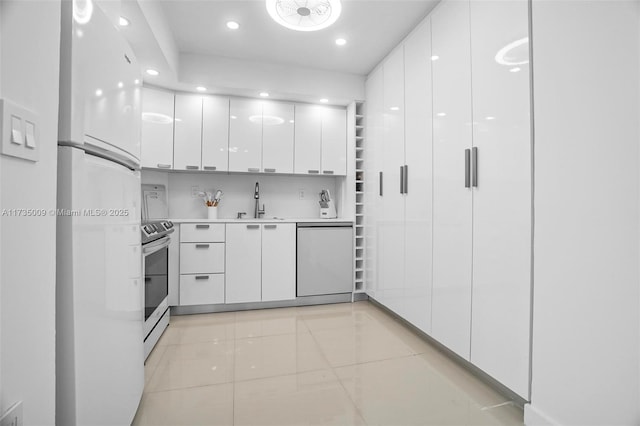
[(301, 194), (13, 416), (195, 190)]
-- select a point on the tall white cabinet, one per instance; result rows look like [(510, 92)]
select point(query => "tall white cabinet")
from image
[(449, 125), (187, 132), (452, 201), (502, 194)]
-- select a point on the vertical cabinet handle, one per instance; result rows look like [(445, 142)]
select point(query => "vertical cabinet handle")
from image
[(474, 163), (381, 182), (401, 179), (406, 179), (467, 167)]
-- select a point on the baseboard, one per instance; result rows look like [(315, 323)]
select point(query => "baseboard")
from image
[(535, 417)]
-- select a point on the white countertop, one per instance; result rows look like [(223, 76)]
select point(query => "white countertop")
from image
[(263, 220)]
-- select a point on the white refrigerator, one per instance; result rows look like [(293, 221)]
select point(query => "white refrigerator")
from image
[(99, 288)]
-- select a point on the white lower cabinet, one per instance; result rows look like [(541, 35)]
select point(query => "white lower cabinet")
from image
[(261, 261), (278, 262), (244, 254), (205, 289), (201, 258)]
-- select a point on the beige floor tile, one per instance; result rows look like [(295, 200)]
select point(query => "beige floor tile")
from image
[(340, 319), (152, 362), (249, 328), (208, 405), (277, 355), (351, 345), (410, 391), (203, 319), (189, 365), (314, 398), (171, 336)]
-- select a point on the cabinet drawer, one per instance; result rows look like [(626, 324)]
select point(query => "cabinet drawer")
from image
[(201, 289), (201, 258), (202, 232)]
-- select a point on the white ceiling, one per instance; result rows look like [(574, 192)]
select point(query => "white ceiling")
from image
[(371, 27)]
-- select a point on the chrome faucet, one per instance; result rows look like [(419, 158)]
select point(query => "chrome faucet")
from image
[(256, 195)]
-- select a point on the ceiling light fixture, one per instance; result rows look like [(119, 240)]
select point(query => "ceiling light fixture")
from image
[(264, 95), (341, 42), (152, 72), (324, 100), (435, 57), (233, 25), (201, 89), (124, 22), (314, 15)]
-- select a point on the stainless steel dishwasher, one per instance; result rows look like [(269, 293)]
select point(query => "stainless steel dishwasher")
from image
[(325, 258)]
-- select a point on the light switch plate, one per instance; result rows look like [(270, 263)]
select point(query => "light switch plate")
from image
[(27, 145)]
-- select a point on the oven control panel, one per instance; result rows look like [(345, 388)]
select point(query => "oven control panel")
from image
[(154, 230)]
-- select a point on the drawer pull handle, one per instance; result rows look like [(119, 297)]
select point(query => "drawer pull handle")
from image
[(202, 246), (253, 226), (164, 166), (328, 172), (202, 226), (210, 168), (193, 167), (202, 277), (253, 169), (314, 172), (270, 170), (270, 226)]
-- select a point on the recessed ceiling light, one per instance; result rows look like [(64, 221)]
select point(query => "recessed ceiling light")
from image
[(314, 15), (341, 42), (201, 89), (124, 22), (435, 57), (136, 81), (441, 114), (490, 118), (324, 100), (395, 108), (152, 72), (233, 25), (264, 94), (120, 85), (99, 92)]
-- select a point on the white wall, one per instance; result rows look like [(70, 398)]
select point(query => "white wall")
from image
[(280, 194), (585, 358), (246, 78), (29, 59)]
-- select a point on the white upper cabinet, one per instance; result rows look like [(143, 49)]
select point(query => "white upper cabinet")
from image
[(452, 201), (277, 137), (334, 141), (245, 135), (502, 197), (157, 128), (187, 145), (215, 133), (308, 139)]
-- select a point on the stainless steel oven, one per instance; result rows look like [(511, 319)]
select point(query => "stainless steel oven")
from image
[(155, 251)]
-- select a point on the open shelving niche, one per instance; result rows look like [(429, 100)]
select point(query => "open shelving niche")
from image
[(359, 243)]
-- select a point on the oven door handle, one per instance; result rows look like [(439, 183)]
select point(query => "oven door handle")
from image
[(156, 246)]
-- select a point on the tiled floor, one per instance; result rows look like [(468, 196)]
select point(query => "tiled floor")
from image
[(347, 364)]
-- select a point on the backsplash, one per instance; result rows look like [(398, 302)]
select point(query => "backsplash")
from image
[(279, 193)]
